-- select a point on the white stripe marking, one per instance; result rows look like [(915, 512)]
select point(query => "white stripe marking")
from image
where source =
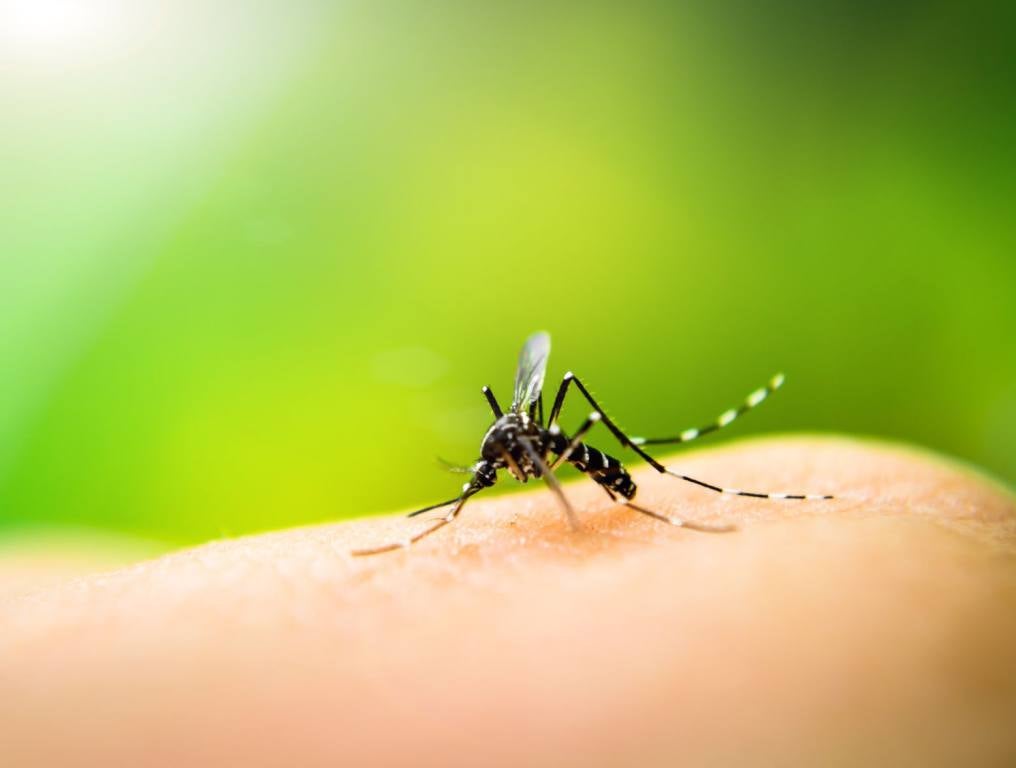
[(756, 397), (776, 381), (778, 495), (689, 434), (726, 417)]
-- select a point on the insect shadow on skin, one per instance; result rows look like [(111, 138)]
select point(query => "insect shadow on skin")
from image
[(523, 443)]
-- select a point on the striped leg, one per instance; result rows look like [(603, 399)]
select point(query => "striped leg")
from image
[(753, 494), (629, 443), (725, 418)]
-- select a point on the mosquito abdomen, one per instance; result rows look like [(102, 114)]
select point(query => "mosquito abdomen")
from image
[(603, 468)]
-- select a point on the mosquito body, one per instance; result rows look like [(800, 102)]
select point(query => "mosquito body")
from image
[(523, 443), (517, 443)]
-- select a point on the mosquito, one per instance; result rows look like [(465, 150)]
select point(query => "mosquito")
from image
[(523, 443)]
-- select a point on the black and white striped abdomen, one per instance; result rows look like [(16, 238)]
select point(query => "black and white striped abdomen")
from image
[(604, 469)]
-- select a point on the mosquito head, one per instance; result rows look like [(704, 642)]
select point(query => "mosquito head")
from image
[(484, 474)]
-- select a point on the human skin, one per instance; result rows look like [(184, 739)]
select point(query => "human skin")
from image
[(876, 628)]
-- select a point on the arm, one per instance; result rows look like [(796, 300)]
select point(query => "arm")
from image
[(877, 627)]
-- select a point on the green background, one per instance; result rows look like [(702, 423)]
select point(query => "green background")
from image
[(255, 264)]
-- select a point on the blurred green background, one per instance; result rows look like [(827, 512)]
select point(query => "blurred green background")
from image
[(257, 261)]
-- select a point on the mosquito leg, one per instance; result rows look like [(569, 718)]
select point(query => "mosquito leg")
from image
[(725, 418), (670, 520), (487, 393), (552, 481), (629, 443), (441, 522), (753, 494), (614, 429), (433, 506), (555, 409), (682, 523), (594, 417)]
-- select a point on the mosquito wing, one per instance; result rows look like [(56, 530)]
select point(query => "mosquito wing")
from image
[(532, 367)]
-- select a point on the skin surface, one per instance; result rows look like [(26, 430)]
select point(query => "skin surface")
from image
[(877, 628)]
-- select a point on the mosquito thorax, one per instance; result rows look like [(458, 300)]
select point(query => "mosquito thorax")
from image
[(503, 436), (510, 443)]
